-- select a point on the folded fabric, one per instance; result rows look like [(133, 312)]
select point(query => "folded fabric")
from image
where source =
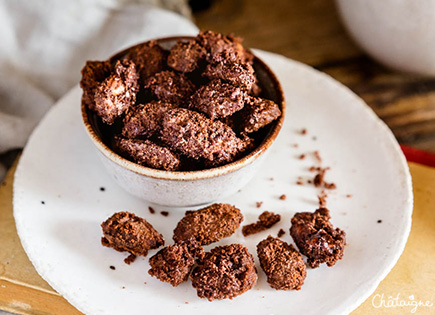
[(45, 43)]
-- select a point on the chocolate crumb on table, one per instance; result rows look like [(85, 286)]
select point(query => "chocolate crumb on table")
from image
[(302, 156), (258, 204), (112, 267), (281, 233), (124, 231), (304, 131), (379, 221), (265, 221), (282, 197), (151, 209), (319, 180), (316, 237), (282, 263), (164, 213), (224, 272), (209, 224), (322, 199), (174, 263), (43, 202), (299, 182), (349, 196)]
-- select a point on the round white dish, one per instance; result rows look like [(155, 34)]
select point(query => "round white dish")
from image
[(59, 206)]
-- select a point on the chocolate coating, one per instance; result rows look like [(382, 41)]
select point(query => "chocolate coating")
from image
[(316, 238), (225, 272)]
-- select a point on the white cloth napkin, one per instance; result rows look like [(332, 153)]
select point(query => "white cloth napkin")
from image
[(45, 43)]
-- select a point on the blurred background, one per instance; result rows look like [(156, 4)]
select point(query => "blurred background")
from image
[(311, 32)]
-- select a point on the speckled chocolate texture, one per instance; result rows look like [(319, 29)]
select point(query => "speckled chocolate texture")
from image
[(316, 238), (208, 225), (216, 43), (197, 136), (218, 99), (149, 58), (148, 153), (93, 73), (258, 113), (145, 120), (236, 73), (265, 221), (186, 56), (224, 273), (169, 86), (125, 231), (174, 263), (191, 106), (282, 263), (117, 92)]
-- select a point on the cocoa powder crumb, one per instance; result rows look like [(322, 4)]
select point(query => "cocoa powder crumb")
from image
[(130, 258)]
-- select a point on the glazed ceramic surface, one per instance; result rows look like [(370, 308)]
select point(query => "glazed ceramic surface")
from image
[(62, 235)]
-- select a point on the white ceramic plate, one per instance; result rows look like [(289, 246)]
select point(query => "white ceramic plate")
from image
[(60, 167)]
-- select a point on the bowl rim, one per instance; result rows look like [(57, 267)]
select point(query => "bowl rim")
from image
[(198, 174)]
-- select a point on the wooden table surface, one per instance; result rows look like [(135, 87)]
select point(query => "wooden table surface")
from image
[(311, 32)]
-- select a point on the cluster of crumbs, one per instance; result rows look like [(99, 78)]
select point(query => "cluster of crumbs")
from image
[(198, 105)]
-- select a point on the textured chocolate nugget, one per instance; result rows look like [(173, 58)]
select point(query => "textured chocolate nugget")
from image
[(208, 225), (171, 87), (145, 120), (117, 92), (124, 231), (149, 59), (93, 73), (186, 56), (233, 71), (257, 113), (197, 136), (316, 238), (216, 43), (218, 99), (283, 265), (173, 263), (148, 153), (225, 272)]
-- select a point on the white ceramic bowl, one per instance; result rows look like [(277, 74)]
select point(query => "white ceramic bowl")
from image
[(398, 33), (190, 188)]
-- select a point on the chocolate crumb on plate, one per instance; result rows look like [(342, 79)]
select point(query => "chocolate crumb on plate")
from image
[(304, 131), (302, 156), (130, 259), (164, 213), (283, 197), (258, 204), (282, 263), (379, 221), (316, 237), (281, 232), (265, 221), (151, 209), (112, 267), (225, 272)]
